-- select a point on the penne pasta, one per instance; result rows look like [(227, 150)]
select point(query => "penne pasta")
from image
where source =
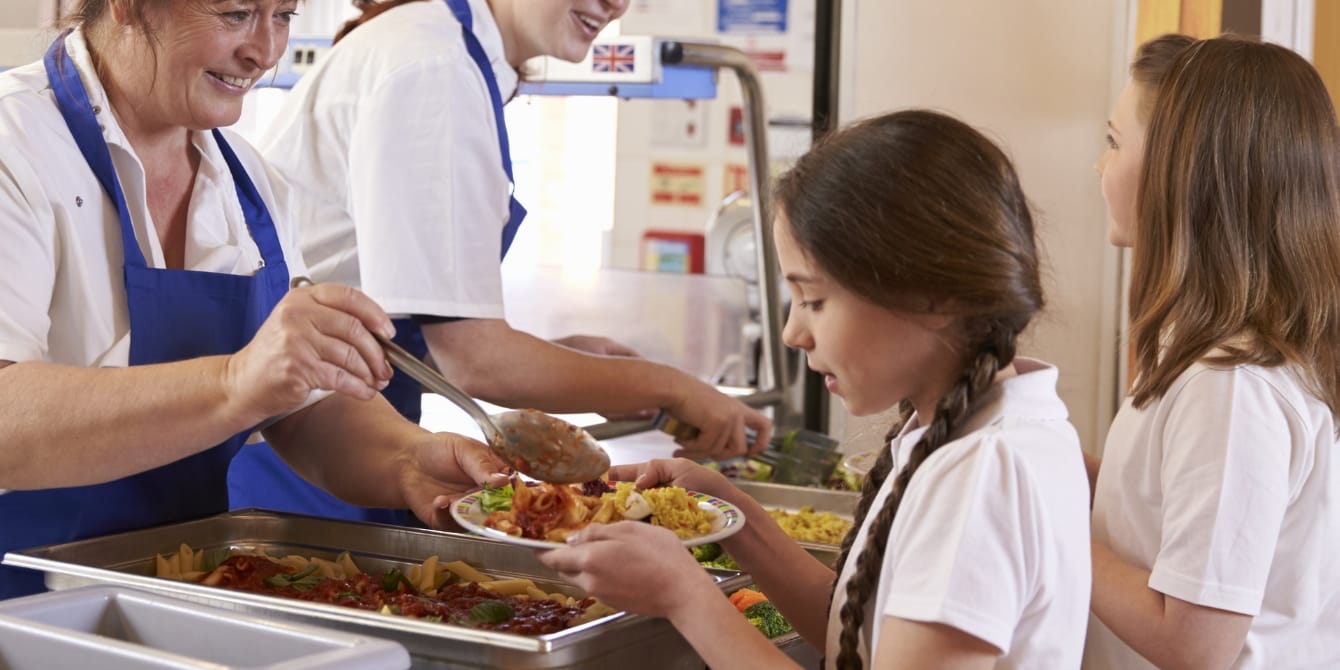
[(347, 562), (467, 573), (510, 587)]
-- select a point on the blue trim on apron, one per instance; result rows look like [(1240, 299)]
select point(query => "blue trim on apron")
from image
[(174, 315)]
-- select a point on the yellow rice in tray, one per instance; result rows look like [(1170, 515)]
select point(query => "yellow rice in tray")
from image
[(671, 507), (808, 525)]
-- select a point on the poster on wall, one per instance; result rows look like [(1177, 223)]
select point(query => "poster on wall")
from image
[(751, 17), (777, 35), (677, 184), (734, 177)]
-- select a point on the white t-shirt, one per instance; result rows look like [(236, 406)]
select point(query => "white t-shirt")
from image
[(62, 296), (992, 536), (391, 147), (1226, 489)]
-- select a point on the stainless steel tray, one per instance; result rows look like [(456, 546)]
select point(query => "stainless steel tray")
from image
[(785, 496), (127, 559), (792, 498)]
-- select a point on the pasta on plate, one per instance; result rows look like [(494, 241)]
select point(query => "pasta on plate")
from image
[(551, 512)]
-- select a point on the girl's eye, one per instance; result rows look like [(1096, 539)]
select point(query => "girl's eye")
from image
[(812, 305), (287, 17), (1111, 143), (237, 17)]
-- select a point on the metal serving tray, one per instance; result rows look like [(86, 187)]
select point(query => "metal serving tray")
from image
[(792, 498), (618, 641)]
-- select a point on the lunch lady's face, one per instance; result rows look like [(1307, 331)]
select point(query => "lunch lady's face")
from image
[(209, 53), (565, 28)]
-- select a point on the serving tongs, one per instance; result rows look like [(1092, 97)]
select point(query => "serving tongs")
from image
[(537, 445)]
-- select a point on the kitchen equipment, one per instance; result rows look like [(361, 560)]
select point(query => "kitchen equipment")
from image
[(116, 628), (620, 640), (536, 444)]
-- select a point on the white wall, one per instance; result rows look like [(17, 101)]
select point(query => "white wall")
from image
[(26, 13), (1038, 76)]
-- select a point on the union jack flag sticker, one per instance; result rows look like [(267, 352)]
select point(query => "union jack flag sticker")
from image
[(613, 58)]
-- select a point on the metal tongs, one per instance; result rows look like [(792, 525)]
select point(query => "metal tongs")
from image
[(534, 443)]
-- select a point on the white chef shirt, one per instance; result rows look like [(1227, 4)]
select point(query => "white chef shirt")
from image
[(992, 536), (1226, 489), (391, 147), (62, 297)]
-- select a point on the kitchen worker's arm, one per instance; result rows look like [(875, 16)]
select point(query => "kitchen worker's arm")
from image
[(491, 360), (70, 426), (367, 454)]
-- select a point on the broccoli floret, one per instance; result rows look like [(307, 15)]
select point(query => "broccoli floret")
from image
[(767, 619), (722, 562), (706, 552)]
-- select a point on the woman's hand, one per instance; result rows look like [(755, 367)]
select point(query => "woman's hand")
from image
[(679, 472), (723, 423), (633, 566), (317, 338), (439, 468)]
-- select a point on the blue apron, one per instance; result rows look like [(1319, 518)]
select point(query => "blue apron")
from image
[(259, 478), (174, 315)]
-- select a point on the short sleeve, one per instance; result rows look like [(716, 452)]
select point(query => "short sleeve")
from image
[(960, 543), (28, 258), (1225, 485), (428, 195)]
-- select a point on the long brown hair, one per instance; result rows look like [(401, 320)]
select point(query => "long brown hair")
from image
[(1237, 232), (902, 209), (1151, 64)]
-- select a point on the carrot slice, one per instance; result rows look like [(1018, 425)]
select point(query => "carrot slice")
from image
[(744, 598)]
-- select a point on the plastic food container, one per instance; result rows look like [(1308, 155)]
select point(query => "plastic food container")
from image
[(115, 628)]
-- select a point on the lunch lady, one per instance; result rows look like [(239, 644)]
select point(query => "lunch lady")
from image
[(146, 323)]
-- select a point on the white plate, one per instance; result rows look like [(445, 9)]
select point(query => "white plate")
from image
[(860, 464), (726, 520)]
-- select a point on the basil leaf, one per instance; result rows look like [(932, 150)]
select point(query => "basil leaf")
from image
[(491, 611), (302, 580), (306, 583), (213, 558), (393, 579)]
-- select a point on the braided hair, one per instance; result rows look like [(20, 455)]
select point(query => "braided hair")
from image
[(876, 206)]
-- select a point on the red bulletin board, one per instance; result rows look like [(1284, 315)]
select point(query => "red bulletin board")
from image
[(672, 251)]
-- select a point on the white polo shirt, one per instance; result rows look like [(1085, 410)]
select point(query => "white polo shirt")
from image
[(992, 536), (62, 293), (391, 147), (1227, 490)]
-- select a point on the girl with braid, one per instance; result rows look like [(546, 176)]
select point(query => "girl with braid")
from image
[(1216, 512), (910, 252)]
